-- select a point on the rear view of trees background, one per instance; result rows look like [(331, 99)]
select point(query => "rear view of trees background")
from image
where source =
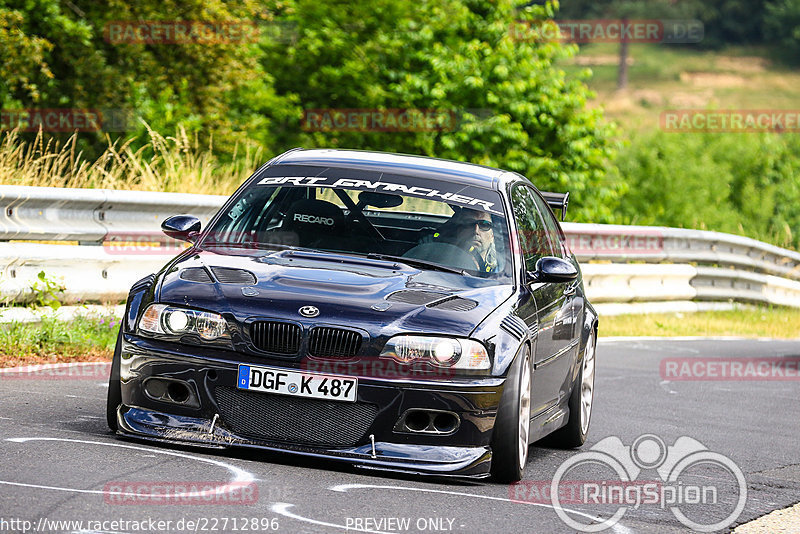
[(516, 108)]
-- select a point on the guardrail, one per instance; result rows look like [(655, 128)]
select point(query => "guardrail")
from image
[(654, 267)]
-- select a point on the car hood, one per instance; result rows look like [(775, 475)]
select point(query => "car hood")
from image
[(380, 297)]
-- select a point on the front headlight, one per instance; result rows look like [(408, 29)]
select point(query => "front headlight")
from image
[(453, 353), (170, 320)]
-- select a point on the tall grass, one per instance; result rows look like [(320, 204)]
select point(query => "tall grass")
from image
[(176, 163)]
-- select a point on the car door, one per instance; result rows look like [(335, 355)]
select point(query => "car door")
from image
[(557, 314), (539, 304)]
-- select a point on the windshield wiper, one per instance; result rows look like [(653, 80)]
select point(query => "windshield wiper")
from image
[(414, 262), (234, 244)]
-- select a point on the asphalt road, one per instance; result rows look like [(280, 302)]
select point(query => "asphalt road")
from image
[(59, 462)]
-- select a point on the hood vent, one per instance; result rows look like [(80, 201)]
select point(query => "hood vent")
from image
[(226, 275), (195, 274), (416, 296), (432, 299), (454, 303)]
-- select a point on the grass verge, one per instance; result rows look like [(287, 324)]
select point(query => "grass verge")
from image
[(779, 323), (51, 341), (93, 338)]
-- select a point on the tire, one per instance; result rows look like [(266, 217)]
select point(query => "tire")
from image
[(114, 398), (510, 438), (574, 433)]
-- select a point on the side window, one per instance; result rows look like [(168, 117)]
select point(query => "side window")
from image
[(553, 231), (532, 230)]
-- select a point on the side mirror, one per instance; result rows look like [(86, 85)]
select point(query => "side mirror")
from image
[(552, 269), (183, 227)]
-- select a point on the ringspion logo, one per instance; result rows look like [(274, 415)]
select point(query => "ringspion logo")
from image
[(704, 490)]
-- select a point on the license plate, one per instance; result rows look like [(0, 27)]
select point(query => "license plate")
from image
[(295, 384)]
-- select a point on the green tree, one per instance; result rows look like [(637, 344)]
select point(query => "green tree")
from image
[(64, 60), (782, 28), (517, 110), (21, 58), (739, 183)]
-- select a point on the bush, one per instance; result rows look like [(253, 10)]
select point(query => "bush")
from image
[(739, 183)]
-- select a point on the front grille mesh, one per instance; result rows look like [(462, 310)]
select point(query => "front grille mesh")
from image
[(327, 342), (275, 336), (294, 419)]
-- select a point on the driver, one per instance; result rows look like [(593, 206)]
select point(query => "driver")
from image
[(475, 234), (472, 231)]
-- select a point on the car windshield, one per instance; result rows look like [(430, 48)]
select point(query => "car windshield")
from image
[(431, 226)]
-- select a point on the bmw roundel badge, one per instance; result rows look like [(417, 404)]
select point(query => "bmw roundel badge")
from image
[(309, 311), (249, 291)]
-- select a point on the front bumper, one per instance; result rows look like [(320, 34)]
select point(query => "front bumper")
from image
[(202, 419)]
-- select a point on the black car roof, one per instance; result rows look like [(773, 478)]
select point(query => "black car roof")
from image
[(437, 169)]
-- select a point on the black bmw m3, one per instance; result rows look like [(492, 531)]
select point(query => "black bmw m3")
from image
[(397, 312)]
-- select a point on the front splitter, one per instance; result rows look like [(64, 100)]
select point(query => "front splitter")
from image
[(467, 462)]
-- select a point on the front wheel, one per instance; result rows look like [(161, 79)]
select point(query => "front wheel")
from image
[(512, 427), (114, 398), (573, 434)]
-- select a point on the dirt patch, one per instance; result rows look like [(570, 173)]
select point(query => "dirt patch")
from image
[(712, 79), (745, 64), (94, 354), (602, 61), (685, 100)]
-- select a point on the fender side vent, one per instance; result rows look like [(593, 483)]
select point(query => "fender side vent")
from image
[(144, 283), (514, 326), (534, 330)]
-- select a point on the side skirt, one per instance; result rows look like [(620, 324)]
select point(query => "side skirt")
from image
[(547, 422)]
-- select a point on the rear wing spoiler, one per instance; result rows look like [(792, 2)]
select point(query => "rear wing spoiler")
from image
[(557, 201)]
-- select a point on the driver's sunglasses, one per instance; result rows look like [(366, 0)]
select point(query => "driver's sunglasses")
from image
[(483, 225)]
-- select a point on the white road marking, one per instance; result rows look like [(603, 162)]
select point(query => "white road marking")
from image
[(621, 529), (665, 385), (240, 475)]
